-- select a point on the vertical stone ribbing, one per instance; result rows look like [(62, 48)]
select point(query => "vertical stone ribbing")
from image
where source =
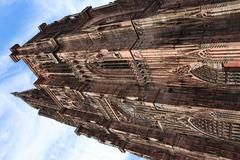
[(157, 78)]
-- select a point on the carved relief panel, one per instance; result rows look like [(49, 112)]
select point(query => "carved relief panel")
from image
[(199, 122)]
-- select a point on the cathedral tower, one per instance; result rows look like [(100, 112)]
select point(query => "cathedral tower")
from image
[(157, 78)]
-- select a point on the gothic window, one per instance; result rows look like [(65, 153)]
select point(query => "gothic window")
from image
[(206, 73), (111, 64), (217, 72), (132, 112), (106, 60), (219, 129)]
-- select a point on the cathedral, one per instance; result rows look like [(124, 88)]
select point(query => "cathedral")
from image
[(156, 78)]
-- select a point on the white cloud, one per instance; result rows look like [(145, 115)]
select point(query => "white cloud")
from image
[(93, 150), (60, 7), (39, 136), (6, 2)]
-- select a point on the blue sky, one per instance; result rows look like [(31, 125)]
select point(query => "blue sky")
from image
[(23, 134)]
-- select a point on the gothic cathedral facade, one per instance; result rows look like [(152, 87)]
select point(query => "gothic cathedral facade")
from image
[(157, 78)]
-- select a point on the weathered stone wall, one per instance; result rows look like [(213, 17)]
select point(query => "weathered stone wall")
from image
[(157, 78)]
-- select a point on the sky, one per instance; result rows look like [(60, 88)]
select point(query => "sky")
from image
[(23, 134)]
